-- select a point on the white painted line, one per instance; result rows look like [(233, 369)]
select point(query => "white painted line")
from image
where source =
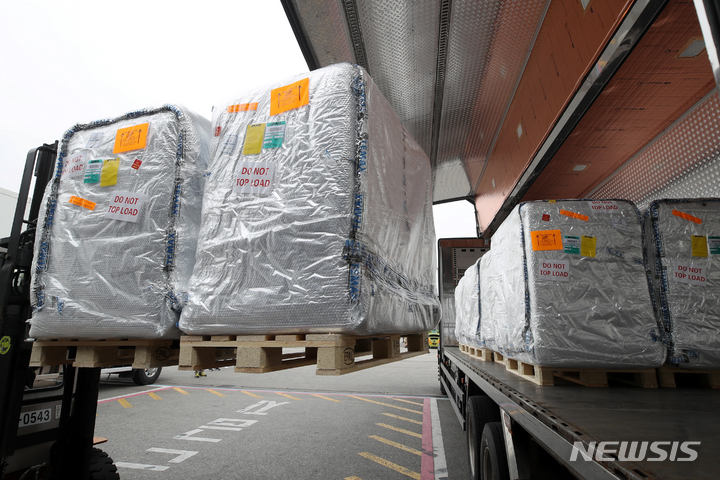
[(188, 436), (268, 405), (232, 422), (181, 454), (438, 447), (210, 427), (140, 466)]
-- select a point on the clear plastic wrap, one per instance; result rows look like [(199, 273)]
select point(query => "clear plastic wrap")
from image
[(491, 297), (467, 308), (448, 327), (682, 242), (118, 228), (564, 285), (338, 236)]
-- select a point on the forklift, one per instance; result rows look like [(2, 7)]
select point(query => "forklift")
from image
[(47, 418)]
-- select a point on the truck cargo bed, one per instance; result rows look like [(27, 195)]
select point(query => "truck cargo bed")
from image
[(560, 415)]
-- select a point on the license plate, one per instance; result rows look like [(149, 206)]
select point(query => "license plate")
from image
[(35, 417)]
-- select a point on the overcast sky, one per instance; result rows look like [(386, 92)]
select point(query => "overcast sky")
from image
[(74, 61)]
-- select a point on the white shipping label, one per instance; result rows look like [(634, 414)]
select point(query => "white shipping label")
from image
[(228, 146), (555, 270), (619, 223), (692, 274), (95, 140), (125, 206), (73, 165), (254, 178), (601, 206)]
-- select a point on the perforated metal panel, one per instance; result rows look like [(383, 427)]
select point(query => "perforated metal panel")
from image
[(401, 40), (487, 49), (330, 38), (683, 162), (448, 68)]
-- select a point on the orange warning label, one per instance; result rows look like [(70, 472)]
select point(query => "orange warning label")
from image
[(546, 240), (81, 202), (242, 107), (131, 138), (687, 216), (290, 96), (570, 214)]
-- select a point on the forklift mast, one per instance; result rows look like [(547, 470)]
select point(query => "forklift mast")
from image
[(15, 295), (72, 452)]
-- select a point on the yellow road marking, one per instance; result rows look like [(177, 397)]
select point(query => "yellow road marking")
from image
[(332, 400), (353, 478), (214, 392), (396, 445), (124, 403), (407, 432), (418, 422), (387, 405), (180, 390), (388, 464), (154, 396), (407, 401), (251, 394), (287, 396)]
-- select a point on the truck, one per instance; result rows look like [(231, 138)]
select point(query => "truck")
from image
[(516, 429), (522, 101), (512, 101)]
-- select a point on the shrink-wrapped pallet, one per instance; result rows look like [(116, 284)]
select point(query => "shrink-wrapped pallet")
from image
[(493, 289), (317, 215), (682, 241), (447, 306), (467, 308), (117, 231), (565, 286)]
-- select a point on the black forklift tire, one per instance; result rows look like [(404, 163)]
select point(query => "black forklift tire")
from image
[(102, 466), (493, 459), (480, 411), (146, 376)]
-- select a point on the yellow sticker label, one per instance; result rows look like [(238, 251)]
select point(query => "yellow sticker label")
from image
[(551, 201), (546, 240), (108, 176), (254, 139), (242, 107), (587, 246), (290, 96), (131, 138), (5, 344), (687, 216), (81, 202), (699, 246)]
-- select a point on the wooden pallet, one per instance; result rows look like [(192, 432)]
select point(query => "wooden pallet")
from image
[(85, 353), (589, 377), (334, 354), (484, 354), (668, 376)]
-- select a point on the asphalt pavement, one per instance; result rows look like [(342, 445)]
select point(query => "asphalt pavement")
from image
[(386, 422)]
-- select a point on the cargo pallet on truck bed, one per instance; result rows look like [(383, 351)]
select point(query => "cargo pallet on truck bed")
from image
[(541, 430)]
